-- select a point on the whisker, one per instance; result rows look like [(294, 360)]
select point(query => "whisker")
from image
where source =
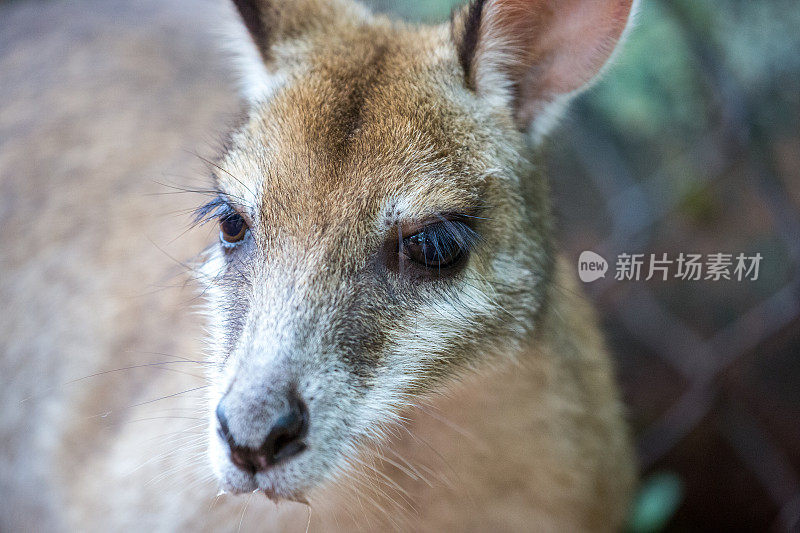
[(105, 414), (209, 162), (246, 503), (106, 372)]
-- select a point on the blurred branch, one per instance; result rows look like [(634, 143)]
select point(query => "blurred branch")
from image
[(740, 119)]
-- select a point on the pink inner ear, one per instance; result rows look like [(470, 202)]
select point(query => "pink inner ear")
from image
[(557, 46), (581, 40)]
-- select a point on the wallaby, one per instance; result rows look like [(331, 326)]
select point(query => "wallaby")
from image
[(393, 341)]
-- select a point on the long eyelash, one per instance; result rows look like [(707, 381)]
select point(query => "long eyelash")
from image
[(457, 230), (442, 234), (218, 208)]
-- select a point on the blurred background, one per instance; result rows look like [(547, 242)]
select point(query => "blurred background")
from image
[(692, 144)]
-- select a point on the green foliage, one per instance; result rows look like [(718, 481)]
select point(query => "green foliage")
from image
[(699, 203), (659, 497), (654, 89), (418, 10)]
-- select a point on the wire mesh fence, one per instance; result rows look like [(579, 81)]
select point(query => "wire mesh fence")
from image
[(710, 368)]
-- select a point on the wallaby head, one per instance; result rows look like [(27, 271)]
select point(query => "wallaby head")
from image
[(382, 226)]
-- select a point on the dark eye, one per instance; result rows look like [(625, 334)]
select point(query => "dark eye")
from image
[(439, 246), (232, 229)]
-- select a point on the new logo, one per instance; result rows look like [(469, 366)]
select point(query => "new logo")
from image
[(591, 267)]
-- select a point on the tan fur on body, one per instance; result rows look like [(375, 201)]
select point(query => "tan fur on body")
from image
[(533, 442)]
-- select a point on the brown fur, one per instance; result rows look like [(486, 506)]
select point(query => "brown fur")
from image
[(537, 442)]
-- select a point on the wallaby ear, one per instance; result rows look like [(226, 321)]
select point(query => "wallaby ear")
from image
[(537, 54), (257, 16), (271, 23)]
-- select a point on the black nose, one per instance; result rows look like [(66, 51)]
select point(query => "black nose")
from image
[(284, 439)]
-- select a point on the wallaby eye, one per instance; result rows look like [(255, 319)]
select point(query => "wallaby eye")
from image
[(232, 229), (438, 246)]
